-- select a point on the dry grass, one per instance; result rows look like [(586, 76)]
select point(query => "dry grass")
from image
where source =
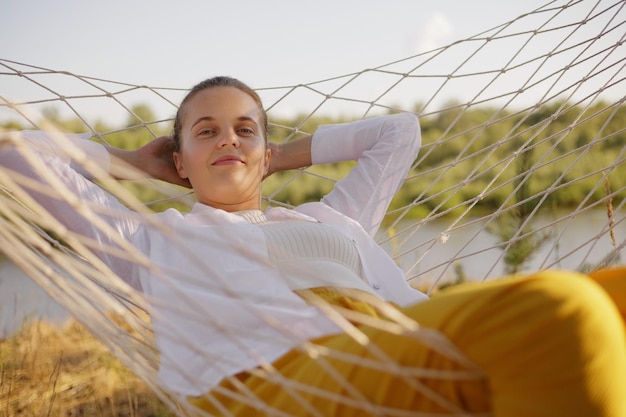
[(64, 371)]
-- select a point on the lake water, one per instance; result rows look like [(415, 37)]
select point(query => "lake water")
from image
[(428, 257), (21, 300), (575, 241)]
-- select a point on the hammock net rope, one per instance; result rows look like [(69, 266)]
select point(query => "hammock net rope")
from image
[(501, 178)]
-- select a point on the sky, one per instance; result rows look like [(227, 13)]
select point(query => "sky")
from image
[(265, 43)]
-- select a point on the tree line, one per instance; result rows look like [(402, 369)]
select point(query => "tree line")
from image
[(465, 157)]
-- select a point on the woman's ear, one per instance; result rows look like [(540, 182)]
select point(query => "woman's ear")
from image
[(178, 162), (268, 158)]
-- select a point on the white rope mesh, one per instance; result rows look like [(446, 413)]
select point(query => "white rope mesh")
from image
[(502, 178)]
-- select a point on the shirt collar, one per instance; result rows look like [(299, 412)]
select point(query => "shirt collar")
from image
[(213, 216)]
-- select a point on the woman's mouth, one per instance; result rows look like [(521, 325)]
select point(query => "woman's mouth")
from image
[(228, 160)]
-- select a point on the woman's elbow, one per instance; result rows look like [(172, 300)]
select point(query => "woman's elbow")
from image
[(409, 126)]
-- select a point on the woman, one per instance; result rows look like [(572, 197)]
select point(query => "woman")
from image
[(241, 296)]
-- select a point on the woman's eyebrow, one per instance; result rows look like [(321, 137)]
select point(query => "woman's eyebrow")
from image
[(202, 119), (248, 119), (211, 118)]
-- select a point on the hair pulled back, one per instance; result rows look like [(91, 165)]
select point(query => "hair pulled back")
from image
[(219, 81)]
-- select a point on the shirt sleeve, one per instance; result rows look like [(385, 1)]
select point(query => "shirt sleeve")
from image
[(385, 148), (49, 168)]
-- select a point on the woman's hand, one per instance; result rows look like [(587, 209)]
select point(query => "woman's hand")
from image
[(289, 155), (159, 162), (155, 159)]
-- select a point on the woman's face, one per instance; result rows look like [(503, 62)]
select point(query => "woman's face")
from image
[(223, 151)]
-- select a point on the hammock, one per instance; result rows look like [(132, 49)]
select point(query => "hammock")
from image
[(501, 180)]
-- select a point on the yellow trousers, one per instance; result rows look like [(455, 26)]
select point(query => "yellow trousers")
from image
[(549, 344)]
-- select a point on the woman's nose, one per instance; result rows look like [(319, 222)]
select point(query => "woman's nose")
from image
[(229, 138)]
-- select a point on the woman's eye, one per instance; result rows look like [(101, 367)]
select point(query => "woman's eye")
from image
[(246, 131), (205, 132)]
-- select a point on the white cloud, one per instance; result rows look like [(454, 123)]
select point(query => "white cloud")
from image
[(437, 31)]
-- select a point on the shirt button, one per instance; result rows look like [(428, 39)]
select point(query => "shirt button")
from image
[(354, 241), (376, 287)]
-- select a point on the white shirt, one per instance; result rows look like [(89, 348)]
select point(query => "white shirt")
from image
[(218, 305)]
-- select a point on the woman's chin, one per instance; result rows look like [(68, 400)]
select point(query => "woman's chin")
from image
[(230, 198)]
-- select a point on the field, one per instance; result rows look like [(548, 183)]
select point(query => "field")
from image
[(52, 371)]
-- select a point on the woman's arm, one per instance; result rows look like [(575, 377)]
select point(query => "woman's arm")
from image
[(46, 167), (385, 148), (154, 159)]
